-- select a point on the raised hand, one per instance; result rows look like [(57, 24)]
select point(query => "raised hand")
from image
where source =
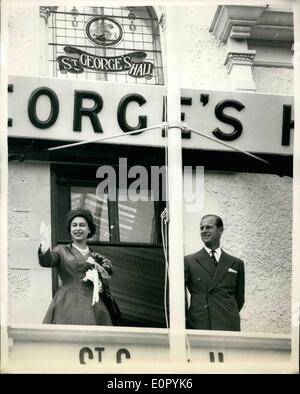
[(45, 233)]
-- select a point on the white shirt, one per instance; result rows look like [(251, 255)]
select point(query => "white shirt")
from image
[(217, 253)]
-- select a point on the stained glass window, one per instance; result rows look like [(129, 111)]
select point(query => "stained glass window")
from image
[(115, 44)]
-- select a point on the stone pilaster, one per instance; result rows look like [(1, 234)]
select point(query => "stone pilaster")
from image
[(45, 12)]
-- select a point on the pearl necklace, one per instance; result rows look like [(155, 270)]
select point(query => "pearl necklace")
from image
[(82, 251)]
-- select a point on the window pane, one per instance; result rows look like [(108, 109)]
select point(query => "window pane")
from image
[(137, 221), (85, 197)]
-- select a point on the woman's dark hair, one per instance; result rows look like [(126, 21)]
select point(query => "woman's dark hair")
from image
[(83, 213)]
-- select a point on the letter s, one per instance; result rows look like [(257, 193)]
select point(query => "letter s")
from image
[(235, 123), (65, 62)]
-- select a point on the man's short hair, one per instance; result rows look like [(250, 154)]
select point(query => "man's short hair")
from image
[(218, 220)]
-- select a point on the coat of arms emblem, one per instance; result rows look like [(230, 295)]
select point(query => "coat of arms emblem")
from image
[(104, 31)]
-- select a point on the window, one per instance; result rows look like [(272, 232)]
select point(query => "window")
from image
[(135, 221), (127, 232)]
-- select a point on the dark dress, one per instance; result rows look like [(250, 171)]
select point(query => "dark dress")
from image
[(72, 303)]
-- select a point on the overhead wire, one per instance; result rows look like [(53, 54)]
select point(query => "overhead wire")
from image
[(100, 139), (225, 144)]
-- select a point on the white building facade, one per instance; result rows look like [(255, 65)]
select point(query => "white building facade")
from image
[(236, 63)]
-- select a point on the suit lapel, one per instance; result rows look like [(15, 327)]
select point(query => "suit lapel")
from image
[(224, 264), (203, 258)]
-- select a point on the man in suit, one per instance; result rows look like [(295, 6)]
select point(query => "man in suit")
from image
[(216, 282)]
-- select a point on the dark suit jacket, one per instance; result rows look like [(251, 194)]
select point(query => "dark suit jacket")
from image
[(217, 294)]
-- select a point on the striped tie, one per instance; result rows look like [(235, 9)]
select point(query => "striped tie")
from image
[(213, 257)]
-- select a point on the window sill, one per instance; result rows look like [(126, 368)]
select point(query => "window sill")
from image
[(146, 336)]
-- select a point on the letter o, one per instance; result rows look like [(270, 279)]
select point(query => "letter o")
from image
[(35, 95), (97, 63)]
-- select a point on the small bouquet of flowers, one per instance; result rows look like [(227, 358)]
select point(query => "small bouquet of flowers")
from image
[(104, 266), (99, 274)]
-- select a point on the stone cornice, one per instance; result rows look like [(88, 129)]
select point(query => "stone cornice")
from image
[(245, 59), (263, 23)]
